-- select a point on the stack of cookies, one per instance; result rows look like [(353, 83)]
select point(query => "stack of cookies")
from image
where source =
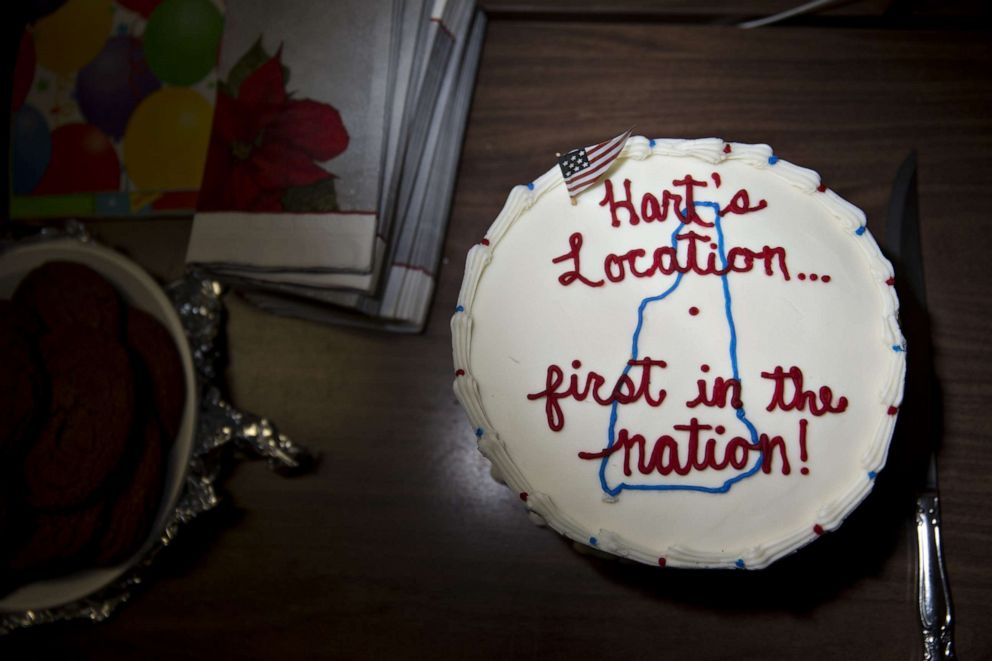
[(91, 397)]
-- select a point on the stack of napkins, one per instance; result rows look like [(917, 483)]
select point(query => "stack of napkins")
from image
[(333, 154)]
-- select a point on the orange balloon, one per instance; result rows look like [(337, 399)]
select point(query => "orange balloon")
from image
[(70, 37)]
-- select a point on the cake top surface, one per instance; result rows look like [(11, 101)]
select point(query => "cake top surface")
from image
[(698, 364)]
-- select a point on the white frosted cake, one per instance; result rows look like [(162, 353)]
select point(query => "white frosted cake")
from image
[(697, 365)]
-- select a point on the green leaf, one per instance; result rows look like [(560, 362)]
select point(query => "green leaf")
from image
[(318, 197), (246, 66)]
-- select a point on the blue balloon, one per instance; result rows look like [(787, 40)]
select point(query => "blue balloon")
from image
[(32, 148)]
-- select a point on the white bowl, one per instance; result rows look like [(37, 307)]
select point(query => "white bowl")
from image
[(139, 290)]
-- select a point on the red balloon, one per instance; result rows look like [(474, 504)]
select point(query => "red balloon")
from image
[(143, 7), (83, 161), (23, 71)]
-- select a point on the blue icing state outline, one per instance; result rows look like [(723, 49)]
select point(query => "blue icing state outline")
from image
[(741, 415)]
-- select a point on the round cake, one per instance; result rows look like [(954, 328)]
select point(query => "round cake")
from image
[(697, 364)]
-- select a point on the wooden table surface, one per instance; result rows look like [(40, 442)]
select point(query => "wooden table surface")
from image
[(400, 545)]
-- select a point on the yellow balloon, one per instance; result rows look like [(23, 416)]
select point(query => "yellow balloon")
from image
[(165, 143), (70, 37)]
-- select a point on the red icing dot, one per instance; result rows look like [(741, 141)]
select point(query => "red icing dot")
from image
[(801, 276), (814, 277), (818, 529), (821, 188), (576, 364), (662, 562), (523, 496), (713, 246), (484, 242), (726, 149), (719, 429), (804, 470), (693, 310), (890, 281), (825, 278), (893, 410), (705, 368), (459, 372)]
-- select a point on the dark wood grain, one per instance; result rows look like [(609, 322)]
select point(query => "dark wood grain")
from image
[(680, 9), (886, 13), (401, 546)]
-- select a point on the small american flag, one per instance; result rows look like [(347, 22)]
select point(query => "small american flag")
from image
[(581, 167)]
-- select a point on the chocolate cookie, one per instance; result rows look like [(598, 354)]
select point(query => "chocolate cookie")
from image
[(89, 418), (58, 540), (22, 382), (159, 366), (16, 318), (71, 294), (132, 509), (11, 511)]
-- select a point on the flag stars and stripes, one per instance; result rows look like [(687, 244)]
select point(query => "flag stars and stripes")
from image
[(574, 162), (580, 168)]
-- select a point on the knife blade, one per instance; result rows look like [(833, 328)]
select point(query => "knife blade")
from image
[(904, 246)]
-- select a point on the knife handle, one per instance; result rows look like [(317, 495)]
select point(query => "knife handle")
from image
[(933, 597)]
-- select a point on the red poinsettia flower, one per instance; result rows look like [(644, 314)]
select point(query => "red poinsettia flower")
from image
[(264, 142)]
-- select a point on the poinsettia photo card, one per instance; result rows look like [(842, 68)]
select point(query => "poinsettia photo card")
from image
[(294, 163)]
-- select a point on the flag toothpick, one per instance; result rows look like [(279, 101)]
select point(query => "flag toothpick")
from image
[(581, 168)]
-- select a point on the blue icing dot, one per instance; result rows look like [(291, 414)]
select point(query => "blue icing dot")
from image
[(897, 348), (479, 432), (530, 186), (593, 541), (872, 475), (740, 564), (860, 230), (459, 309), (772, 160), (651, 142)]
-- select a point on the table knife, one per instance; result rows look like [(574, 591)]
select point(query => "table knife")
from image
[(903, 244)]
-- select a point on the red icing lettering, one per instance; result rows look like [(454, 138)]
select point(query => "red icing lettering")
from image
[(654, 210), (803, 454), (700, 258), (567, 278), (664, 457), (626, 390), (690, 215), (740, 203), (796, 398), (722, 388), (626, 204), (769, 445)]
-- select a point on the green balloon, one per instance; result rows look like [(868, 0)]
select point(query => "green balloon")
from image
[(181, 40)]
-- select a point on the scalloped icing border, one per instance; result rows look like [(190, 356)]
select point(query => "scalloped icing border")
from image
[(541, 507)]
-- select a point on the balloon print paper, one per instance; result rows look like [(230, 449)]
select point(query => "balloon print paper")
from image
[(112, 106)]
